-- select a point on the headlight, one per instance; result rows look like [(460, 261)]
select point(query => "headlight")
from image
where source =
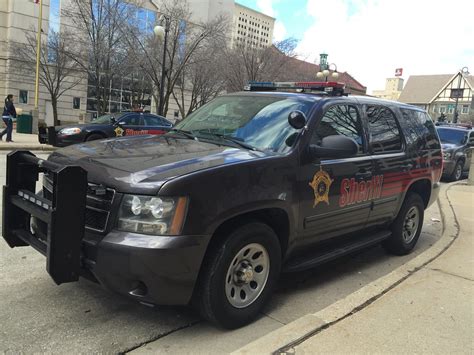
[(152, 215), (69, 131), (446, 155)]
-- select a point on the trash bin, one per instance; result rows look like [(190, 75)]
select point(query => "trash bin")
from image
[(24, 123)]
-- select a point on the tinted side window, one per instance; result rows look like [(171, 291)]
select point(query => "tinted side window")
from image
[(153, 121), (383, 128), (340, 120), (131, 120), (420, 129), (471, 138)]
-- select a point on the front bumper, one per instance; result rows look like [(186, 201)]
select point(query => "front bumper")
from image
[(50, 136), (151, 269), (448, 167)]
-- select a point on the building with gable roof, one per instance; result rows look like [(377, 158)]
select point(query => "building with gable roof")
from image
[(438, 94)]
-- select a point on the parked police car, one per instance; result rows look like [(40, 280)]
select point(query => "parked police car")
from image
[(250, 184), (456, 142), (107, 126)]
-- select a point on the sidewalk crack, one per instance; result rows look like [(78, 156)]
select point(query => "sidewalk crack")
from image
[(451, 274), (273, 318)]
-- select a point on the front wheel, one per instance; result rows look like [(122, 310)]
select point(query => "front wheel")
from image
[(238, 275), (406, 228), (94, 137), (457, 172)]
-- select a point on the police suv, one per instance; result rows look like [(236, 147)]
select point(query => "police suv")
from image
[(282, 177)]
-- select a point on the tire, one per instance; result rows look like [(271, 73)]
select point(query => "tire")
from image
[(215, 299), (457, 171), (94, 137), (406, 230)]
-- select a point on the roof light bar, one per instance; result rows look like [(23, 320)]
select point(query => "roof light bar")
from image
[(330, 87)]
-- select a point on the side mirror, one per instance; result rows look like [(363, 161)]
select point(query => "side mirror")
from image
[(335, 146), (112, 119), (297, 119)]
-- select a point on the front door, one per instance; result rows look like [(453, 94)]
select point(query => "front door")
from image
[(335, 194), (132, 124)]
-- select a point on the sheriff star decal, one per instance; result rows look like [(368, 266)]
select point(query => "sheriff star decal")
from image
[(321, 184), (118, 132)]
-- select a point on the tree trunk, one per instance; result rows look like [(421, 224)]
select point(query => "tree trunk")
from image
[(54, 103)]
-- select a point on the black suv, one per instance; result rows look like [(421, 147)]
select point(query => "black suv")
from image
[(251, 184), (456, 143)]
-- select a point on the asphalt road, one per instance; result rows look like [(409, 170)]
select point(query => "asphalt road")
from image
[(38, 316)]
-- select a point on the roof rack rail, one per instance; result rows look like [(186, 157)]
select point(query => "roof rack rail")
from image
[(328, 87)]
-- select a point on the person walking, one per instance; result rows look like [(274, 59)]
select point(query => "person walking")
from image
[(9, 112)]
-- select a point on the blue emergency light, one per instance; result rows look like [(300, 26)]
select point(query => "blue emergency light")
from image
[(328, 87)]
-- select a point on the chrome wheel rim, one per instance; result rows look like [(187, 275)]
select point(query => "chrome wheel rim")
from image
[(411, 224), (247, 275), (458, 172)]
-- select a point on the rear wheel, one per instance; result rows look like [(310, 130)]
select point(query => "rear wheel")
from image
[(406, 228), (238, 275), (94, 137)]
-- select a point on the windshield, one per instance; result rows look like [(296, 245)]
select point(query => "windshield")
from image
[(452, 136), (258, 121), (105, 119)]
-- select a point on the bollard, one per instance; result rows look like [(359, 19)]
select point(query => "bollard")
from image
[(470, 180)]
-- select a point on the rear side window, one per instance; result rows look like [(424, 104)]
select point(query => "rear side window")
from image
[(154, 121), (420, 129), (383, 128), (340, 120)]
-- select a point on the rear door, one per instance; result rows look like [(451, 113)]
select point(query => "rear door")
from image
[(155, 124), (334, 193), (392, 165)]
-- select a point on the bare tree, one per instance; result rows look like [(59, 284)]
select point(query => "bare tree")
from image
[(185, 40), (59, 72), (99, 24), (250, 63), (202, 78)]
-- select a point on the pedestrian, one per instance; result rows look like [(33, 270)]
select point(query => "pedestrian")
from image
[(9, 113)]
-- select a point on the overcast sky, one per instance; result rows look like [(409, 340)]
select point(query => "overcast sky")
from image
[(371, 38)]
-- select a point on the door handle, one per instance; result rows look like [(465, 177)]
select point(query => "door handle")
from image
[(363, 175), (408, 166)]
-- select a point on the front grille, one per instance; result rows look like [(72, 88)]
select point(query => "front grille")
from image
[(98, 204)]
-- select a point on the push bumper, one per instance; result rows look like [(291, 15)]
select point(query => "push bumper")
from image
[(150, 269)]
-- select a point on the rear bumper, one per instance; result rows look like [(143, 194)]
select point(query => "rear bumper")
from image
[(153, 269), (434, 193)]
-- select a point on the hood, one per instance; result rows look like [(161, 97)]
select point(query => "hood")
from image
[(142, 164)]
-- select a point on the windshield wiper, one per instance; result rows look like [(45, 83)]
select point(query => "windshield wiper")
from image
[(232, 139), (185, 133)]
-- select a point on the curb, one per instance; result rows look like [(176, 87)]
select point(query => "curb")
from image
[(282, 340), (36, 147)]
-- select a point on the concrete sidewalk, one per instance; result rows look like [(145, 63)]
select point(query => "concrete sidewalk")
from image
[(25, 141), (426, 306)]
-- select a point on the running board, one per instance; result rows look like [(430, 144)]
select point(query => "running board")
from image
[(334, 251)]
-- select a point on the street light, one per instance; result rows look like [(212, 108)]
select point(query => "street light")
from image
[(161, 34), (463, 71), (325, 68)]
